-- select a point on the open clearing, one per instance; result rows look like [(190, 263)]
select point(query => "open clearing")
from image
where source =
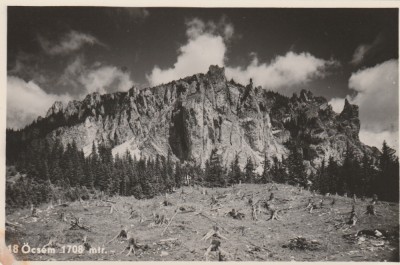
[(324, 230)]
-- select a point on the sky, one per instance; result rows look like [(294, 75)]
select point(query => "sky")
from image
[(64, 53)]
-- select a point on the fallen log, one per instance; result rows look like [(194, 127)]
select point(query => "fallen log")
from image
[(13, 225), (170, 221), (214, 232), (188, 209), (202, 214), (109, 201), (62, 205), (168, 240)]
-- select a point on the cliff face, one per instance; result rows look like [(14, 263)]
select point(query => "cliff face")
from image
[(192, 116)]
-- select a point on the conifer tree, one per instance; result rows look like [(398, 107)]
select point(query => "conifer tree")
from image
[(347, 174), (157, 169), (388, 176), (215, 173), (277, 171), (266, 175), (178, 174), (332, 174), (249, 171), (320, 180), (297, 170), (167, 172), (235, 174), (367, 175)]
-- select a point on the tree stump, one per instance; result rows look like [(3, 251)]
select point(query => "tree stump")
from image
[(310, 206), (160, 219), (123, 235), (271, 197), (371, 209), (236, 215), (353, 216), (321, 203), (34, 213), (216, 247), (213, 200), (76, 223), (254, 212), (374, 199), (132, 245), (62, 217), (274, 212), (86, 244), (274, 215), (166, 203)]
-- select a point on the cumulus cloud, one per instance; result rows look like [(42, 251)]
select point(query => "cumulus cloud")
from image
[(83, 78), (196, 27), (363, 50), (195, 57), (205, 46), (378, 100), (105, 79), (377, 95), (376, 138), (72, 41), (26, 101), (290, 69)]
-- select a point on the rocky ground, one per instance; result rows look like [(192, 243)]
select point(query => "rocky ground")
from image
[(320, 235)]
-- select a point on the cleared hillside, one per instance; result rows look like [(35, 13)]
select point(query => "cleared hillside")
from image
[(323, 231)]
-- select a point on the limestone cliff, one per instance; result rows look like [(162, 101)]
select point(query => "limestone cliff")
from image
[(192, 116)]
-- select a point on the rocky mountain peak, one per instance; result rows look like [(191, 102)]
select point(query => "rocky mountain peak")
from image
[(349, 121), (72, 108), (216, 74), (192, 116), (349, 111), (55, 108), (92, 99), (306, 95)]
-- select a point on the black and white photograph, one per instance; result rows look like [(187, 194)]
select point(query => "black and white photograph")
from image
[(177, 133)]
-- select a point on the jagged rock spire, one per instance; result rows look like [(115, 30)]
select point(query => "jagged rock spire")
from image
[(55, 108), (349, 110), (216, 73)]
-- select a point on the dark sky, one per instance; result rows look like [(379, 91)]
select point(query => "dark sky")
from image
[(139, 41), (72, 51)]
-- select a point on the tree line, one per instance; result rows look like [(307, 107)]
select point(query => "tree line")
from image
[(53, 165)]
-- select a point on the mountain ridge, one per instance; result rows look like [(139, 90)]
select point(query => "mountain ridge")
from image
[(192, 116)]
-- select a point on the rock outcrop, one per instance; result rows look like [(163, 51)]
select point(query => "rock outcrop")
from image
[(55, 108), (191, 117)]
